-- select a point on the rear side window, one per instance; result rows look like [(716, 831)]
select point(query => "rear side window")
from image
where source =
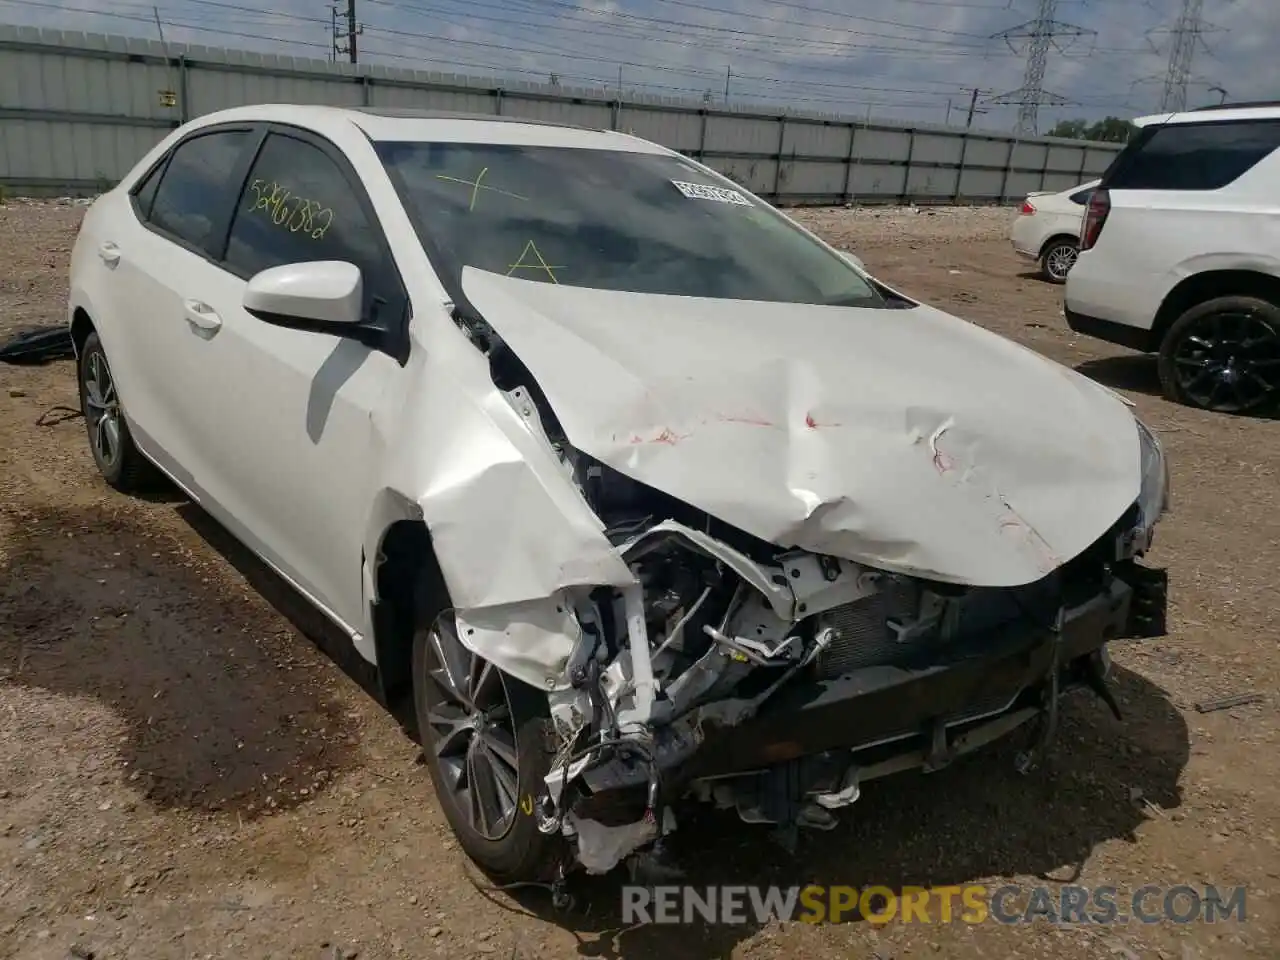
[(145, 193), (299, 206), (189, 201), (1194, 156), (1081, 196)]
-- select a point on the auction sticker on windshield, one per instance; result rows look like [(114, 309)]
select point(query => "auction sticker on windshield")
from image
[(702, 191)]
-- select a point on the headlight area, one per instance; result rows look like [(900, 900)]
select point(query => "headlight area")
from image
[(1153, 496), (1150, 585)]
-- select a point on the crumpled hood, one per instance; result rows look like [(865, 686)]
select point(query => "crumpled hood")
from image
[(907, 440)]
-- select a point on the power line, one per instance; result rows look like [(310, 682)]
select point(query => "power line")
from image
[(1039, 35), (431, 43), (405, 44), (690, 4), (681, 28)]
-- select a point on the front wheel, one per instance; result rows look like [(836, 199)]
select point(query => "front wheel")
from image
[(485, 736), (1058, 259), (1223, 355)]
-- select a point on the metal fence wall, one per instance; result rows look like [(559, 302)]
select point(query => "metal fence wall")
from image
[(77, 110)]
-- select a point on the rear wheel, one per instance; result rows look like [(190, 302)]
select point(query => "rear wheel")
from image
[(1223, 355), (1058, 259), (121, 463), (485, 737)]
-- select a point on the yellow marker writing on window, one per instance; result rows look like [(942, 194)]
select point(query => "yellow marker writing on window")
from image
[(306, 216), (476, 186), (541, 264)]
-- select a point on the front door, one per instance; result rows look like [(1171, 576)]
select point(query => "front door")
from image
[(287, 444)]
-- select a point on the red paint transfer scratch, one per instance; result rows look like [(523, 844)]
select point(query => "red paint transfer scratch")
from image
[(810, 422), (941, 461), (667, 436), (1013, 523)]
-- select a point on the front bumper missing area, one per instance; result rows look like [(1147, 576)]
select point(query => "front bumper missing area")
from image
[(886, 711)]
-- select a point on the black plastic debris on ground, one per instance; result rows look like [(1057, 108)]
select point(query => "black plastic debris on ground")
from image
[(39, 345)]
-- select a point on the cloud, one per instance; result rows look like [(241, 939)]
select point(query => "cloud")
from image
[(913, 60)]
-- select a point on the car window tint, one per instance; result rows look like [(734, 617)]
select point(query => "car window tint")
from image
[(145, 194), (1196, 156), (189, 199), (297, 207)]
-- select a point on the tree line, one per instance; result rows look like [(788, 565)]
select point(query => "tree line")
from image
[(1108, 130)]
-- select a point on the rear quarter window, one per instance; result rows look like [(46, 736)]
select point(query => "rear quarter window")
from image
[(1193, 156)]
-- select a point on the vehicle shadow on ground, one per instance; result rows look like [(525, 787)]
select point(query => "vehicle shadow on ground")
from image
[(978, 818), (220, 712), (282, 598), (1136, 372)]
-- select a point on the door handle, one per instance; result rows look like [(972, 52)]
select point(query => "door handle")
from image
[(110, 253), (201, 316)]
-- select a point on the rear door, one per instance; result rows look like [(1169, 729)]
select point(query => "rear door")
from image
[(161, 259)]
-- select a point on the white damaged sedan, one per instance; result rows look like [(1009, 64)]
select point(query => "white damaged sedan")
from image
[(643, 493)]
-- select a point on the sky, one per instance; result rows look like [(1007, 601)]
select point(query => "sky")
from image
[(911, 60)]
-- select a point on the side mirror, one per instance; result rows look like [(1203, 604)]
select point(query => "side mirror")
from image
[(851, 258), (322, 296)]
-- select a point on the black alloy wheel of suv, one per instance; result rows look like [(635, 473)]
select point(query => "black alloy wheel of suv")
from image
[(1224, 355)]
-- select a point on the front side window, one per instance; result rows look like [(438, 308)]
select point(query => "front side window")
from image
[(190, 199), (1193, 156), (297, 207), (611, 220)]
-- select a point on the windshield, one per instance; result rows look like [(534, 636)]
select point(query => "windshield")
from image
[(635, 222)]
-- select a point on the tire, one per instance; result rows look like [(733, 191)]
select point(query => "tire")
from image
[(119, 460), (518, 851), (1223, 355), (1057, 259)]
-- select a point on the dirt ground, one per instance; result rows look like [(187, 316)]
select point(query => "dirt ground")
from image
[(184, 774)]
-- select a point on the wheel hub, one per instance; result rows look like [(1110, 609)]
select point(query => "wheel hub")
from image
[(102, 409), (1229, 362), (1061, 259), (471, 733)]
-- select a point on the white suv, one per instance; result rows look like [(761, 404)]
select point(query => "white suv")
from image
[(1180, 255)]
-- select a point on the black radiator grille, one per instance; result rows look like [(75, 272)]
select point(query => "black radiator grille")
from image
[(863, 635)]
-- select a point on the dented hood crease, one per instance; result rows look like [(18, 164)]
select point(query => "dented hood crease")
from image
[(908, 440)]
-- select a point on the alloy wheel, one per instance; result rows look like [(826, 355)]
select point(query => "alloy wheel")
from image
[(102, 410), (471, 732), (1059, 261), (1229, 362)]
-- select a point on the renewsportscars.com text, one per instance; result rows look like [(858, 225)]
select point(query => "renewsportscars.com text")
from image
[(971, 904)]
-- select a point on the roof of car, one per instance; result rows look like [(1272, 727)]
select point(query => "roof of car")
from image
[(1215, 114), (441, 126), (413, 113)]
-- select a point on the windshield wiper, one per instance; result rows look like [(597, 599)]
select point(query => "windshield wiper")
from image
[(863, 300)]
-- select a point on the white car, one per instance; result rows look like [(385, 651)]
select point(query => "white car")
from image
[(638, 489), (1047, 229), (1181, 255)]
